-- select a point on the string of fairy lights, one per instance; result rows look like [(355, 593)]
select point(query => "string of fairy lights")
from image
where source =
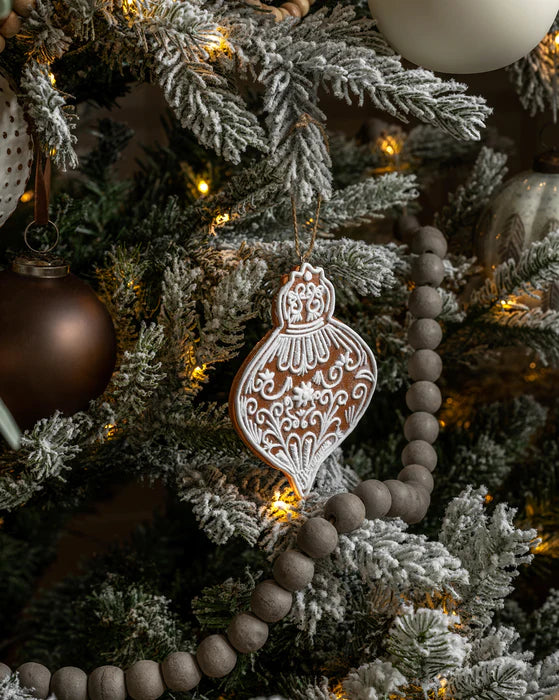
[(390, 148)]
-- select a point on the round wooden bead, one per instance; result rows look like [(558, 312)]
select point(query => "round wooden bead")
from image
[(424, 396), (419, 501), (425, 333), (106, 682), (69, 683), (419, 452), (270, 602), (247, 633), (346, 511), (317, 537), (303, 5), (293, 570), (275, 11), (405, 227), (5, 671), (11, 25), (293, 9), (376, 498), (180, 671), (427, 269), (425, 302), (429, 239), (421, 426), (36, 676), (23, 7), (285, 14), (215, 656), (419, 474), (401, 506), (425, 365), (144, 680)]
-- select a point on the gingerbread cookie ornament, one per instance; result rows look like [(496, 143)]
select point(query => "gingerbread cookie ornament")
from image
[(306, 384)]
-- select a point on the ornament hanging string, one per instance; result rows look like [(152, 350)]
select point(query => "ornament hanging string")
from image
[(42, 197), (42, 188), (303, 257), (302, 123)]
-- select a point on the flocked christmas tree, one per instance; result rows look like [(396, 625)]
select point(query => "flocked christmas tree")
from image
[(187, 255)]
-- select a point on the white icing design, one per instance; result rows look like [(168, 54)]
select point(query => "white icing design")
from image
[(307, 383)]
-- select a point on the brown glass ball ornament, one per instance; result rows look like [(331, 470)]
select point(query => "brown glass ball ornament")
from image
[(57, 340)]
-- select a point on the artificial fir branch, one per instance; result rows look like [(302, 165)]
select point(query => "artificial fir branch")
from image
[(465, 205), (189, 282)]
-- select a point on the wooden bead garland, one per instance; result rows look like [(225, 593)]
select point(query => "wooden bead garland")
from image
[(421, 426), (144, 680), (11, 25), (271, 602), (215, 656), (35, 676), (376, 498), (425, 365), (424, 396), (292, 8), (407, 497), (247, 633), (107, 682), (346, 511), (428, 239), (318, 538), (180, 671), (293, 570), (418, 474), (425, 334), (419, 452), (69, 683)]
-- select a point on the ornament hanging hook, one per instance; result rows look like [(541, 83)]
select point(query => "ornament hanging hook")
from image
[(46, 250), (302, 123)]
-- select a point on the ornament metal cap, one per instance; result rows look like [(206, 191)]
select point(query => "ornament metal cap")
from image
[(547, 162), (44, 266)]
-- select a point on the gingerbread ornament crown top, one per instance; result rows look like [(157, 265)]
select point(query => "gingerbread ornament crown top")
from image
[(306, 384)]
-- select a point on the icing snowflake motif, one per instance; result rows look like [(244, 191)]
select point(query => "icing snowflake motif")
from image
[(304, 394), (307, 383)]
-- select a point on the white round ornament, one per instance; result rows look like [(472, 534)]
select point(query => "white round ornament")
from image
[(464, 36), (16, 151)]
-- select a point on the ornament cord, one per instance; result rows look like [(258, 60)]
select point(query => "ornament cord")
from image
[(42, 188), (42, 197), (307, 254), (302, 123)]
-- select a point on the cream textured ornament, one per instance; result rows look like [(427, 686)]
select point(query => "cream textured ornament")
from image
[(305, 386), (16, 151), (464, 36), (524, 210)]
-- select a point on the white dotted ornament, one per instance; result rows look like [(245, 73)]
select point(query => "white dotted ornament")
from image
[(16, 151)]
